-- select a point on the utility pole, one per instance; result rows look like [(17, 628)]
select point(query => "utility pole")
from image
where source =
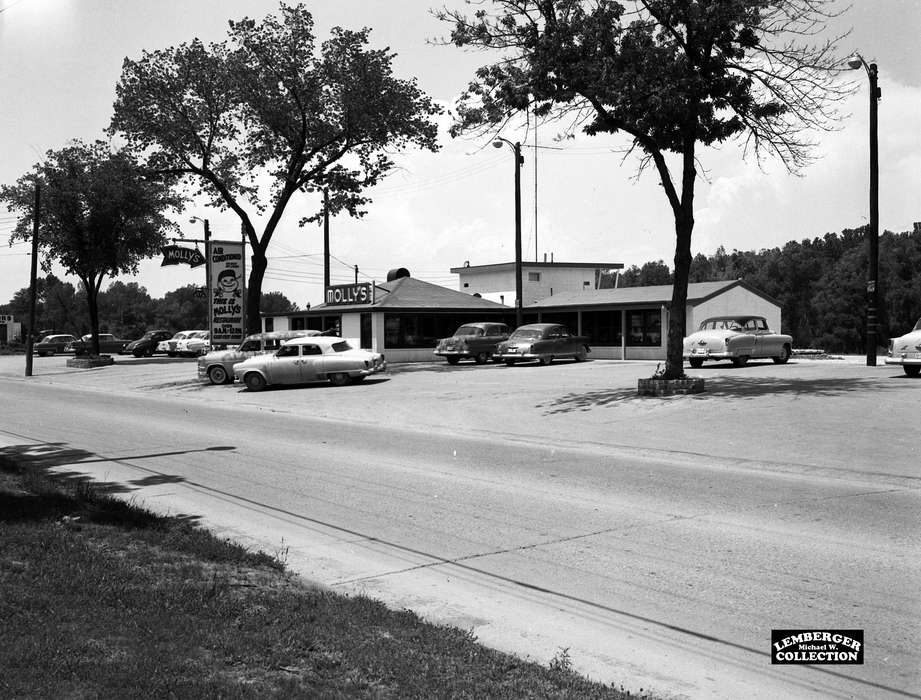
[(326, 240), (33, 280)]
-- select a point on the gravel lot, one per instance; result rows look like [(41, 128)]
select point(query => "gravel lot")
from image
[(831, 414)]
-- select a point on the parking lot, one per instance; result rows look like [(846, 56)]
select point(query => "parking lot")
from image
[(834, 414)]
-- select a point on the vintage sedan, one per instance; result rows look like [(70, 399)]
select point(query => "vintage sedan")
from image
[(736, 338), (474, 341), (170, 345), (51, 344), (196, 343), (217, 365), (312, 359), (906, 351), (544, 342), (146, 345), (108, 343)]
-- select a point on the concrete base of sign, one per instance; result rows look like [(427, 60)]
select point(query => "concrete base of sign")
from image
[(89, 361), (669, 387)]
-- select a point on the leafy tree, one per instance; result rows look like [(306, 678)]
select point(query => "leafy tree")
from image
[(672, 75), (277, 303), (127, 309), (265, 104), (100, 215), (650, 273), (183, 309)]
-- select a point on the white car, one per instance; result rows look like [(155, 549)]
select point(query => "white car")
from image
[(217, 365), (312, 359), (196, 343), (169, 346), (736, 338), (906, 351)]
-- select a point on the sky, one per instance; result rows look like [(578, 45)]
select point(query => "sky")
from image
[(581, 199)]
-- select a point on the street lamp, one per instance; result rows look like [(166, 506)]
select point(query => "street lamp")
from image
[(325, 235), (856, 62), (516, 148), (208, 290)]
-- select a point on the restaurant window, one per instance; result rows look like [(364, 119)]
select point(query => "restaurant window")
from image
[(269, 324), (602, 327), (425, 330), (533, 277), (644, 327)]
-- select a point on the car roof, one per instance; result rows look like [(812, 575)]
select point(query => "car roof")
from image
[(325, 340), (537, 326), (730, 318)]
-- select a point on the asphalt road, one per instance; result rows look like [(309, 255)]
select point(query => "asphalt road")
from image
[(658, 540)]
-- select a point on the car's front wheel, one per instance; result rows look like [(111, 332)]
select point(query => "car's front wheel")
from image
[(254, 381), (784, 356), (740, 361), (217, 375), (545, 360), (452, 359), (509, 363), (338, 378), (912, 370), (696, 362), (481, 358), (582, 355)]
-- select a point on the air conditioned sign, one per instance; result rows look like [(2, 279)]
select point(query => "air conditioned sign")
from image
[(343, 294), (225, 259)]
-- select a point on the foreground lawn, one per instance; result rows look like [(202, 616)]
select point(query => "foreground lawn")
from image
[(100, 599)]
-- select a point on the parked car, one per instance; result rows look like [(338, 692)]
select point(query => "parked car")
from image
[(146, 345), (311, 359), (736, 338), (217, 365), (108, 344), (474, 341), (906, 351), (196, 343), (170, 345), (544, 342), (51, 344)]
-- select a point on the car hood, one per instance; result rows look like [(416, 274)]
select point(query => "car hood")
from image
[(223, 356)]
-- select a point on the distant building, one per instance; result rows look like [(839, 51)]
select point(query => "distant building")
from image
[(10, 330), (539, 280)]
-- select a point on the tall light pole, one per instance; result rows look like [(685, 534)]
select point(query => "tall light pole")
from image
[(856, 62), (325, 236), (516, 148)]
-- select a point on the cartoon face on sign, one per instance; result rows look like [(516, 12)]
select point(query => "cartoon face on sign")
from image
[(228, 282)]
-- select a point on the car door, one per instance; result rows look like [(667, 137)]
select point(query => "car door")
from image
[(284, 367), (311, 362), (767, 344)]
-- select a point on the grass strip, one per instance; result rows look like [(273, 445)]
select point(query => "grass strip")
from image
[(102, 599)]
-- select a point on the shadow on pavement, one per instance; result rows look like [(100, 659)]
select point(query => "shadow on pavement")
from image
[(721, 387), (83, 496)]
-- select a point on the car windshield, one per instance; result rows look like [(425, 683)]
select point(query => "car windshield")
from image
[(341, 346), (47, 339), (469, 330), (722, 324), (528, 334)]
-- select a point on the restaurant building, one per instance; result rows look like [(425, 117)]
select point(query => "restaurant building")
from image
[(405, 317)]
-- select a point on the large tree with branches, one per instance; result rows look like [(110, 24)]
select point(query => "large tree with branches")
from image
[(251, 121), (99, 215), (672, 75)]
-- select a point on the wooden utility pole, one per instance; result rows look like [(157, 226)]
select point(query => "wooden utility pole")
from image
[(33, 280)]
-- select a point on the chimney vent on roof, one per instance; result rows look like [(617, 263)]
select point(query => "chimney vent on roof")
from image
[(396, 273)]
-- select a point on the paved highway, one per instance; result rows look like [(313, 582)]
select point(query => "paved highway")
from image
[(658, 569)]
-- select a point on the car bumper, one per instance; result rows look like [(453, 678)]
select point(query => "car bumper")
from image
[(524, 356), (453, 353), (903, 360), (708, 355), (370, 370)]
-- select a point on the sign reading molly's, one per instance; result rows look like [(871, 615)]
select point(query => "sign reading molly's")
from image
[(343, 294), (225, 260)]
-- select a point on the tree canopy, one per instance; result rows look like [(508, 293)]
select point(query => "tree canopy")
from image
[(99, 214), (251, 121), (671, 75)]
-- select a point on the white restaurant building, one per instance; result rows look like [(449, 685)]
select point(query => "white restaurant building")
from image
[(404, 317)]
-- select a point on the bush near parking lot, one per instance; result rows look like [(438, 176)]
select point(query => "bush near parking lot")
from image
[(103, 599)]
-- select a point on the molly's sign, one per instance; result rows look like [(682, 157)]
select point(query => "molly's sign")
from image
[(174, 255), (343, 294)]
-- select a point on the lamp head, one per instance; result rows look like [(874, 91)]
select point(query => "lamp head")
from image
[(497, 143), (855, 61)]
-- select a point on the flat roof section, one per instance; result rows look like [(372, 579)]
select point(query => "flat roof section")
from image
[(502, 267)]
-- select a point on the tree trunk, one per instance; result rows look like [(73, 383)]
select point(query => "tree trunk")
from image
[(258, 263), (92, 302), (677, 317)]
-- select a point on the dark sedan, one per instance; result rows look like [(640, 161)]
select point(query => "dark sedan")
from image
[(477, 341), (544, 342), (52, 344), (146, 345), (108, 343)]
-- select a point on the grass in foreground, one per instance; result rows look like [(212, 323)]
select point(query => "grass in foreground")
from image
[(101, 599)]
